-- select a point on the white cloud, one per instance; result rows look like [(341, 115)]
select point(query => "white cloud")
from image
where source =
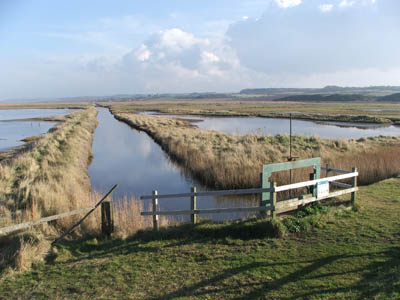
[(288, 3), (325, 7), (143, 53), (346, 3)]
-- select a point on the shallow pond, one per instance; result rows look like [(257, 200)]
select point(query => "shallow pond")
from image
[(16, 114), (12, 132), (274, 126), (131, 159)]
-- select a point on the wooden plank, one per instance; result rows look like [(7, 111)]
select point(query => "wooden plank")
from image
[(316, 161), (206, 211), (335, 170), (313, 182), (294, 203), (209, 193), (25, 225)]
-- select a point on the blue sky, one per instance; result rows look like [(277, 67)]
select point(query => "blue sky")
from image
[(76, 48)]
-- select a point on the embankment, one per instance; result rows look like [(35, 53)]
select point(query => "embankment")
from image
[(49, 176)]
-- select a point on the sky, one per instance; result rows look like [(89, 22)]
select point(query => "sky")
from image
[(91, 48)]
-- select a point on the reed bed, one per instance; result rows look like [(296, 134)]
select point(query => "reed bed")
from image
[(225, 161), (46, 177)]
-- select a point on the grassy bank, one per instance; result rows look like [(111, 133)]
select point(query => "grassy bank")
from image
[(348, 255), (45, 177), (368, 112), (226, 161)]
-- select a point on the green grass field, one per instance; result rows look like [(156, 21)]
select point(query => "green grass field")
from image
[(344, 255)]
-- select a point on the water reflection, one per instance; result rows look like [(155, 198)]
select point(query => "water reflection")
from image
[(12, 132), (132, 160), (16, 114), (274, 126)]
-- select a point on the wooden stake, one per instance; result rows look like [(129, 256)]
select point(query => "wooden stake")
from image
[(273, 200), (354, 184), (107, 218), (155, 217), (193, 206)]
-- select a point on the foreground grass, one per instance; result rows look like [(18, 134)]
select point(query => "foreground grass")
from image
[(349, 255), (225, 161)]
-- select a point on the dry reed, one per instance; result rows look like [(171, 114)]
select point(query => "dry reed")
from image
[(49, 177)]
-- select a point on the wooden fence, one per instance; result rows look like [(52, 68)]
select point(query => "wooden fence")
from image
[(106, 217), (273, 206)]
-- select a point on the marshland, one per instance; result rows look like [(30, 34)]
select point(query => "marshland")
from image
[(230, 149), (84, 152)]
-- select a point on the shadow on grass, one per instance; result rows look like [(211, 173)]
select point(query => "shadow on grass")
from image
[(186, 233), (380, 280)]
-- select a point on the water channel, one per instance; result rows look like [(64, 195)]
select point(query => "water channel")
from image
[(13, 127), (131, 159)]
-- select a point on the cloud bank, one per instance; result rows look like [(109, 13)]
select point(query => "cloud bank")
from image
[(310, 38), (292, 44)]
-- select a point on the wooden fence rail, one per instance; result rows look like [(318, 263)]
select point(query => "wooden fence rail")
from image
[(274, 206), (89, 210)]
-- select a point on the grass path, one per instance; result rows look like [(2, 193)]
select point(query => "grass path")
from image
[(351, 255)]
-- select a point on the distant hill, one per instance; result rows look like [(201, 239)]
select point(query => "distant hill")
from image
[(268, 91), (326, 90), (390, 98), (327, 98)]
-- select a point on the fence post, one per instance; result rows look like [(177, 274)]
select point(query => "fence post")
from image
[(193, 206), (354, 184), (273, 200), (107, 218), (327, 170), (313, 189), (155, 217)]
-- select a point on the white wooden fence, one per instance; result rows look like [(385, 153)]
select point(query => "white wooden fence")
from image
[(274, 206)]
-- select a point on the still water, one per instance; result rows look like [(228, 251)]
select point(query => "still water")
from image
[(131, 159), (12, 132), (274, 126)]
